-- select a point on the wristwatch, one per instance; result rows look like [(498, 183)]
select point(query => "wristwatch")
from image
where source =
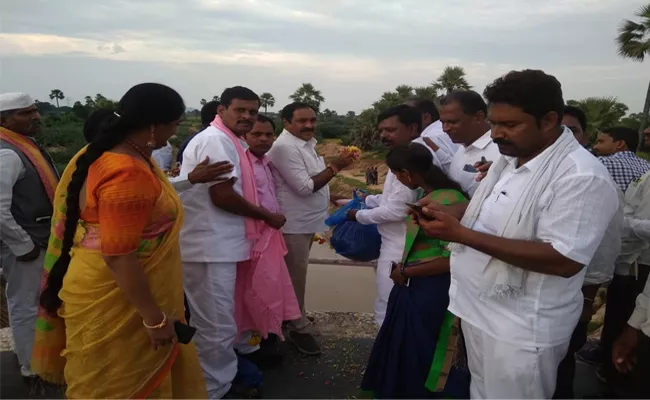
[(402, 271)]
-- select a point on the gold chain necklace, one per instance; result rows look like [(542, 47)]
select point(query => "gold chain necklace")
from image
[(137, 148)]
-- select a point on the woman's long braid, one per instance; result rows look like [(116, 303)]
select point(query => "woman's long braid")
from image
[(50, 300)]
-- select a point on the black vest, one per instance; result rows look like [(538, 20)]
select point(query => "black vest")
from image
[(30, 204)]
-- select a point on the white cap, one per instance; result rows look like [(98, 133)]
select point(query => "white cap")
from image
[(15, 101)]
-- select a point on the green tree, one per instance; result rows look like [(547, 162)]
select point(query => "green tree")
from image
[(90, 103), (452, 78), (602, 112), (203, 102), (57, 95), (267, 100), (80, 111), (307, 93), (634, 43), (427, 92), (632, 121), (216, 98)]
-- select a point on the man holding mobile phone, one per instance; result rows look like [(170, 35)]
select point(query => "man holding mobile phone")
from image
[(464, 119)]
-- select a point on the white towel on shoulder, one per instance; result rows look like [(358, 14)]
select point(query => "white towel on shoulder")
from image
[(499, 278)]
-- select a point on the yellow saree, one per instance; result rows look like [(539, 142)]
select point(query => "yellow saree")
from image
[(97, 345)]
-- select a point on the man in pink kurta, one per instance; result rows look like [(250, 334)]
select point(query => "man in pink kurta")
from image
[(264, 295)]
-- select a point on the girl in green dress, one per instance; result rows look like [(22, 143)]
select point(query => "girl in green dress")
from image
[(416, 353)]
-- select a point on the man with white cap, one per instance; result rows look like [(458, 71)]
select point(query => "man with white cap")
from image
[(28, 181)]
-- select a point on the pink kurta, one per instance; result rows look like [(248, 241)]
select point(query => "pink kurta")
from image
[(264, 295)]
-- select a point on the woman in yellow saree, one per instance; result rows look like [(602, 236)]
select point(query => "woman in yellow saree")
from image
[(113, 281)]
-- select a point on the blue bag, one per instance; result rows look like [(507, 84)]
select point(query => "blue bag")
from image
[(341, 215), (351, 239)]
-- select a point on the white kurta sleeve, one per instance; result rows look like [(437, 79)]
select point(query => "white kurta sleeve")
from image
[(289, 163), (392, 208), (180, 183), (11, 234), (640, 318)]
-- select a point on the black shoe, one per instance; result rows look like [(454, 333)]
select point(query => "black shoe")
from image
[(270, 341), (265, 358), (305, 343), (242, 392)]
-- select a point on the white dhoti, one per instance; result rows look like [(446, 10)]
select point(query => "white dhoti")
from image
[(210, 291), (23, 289), (504, 371)]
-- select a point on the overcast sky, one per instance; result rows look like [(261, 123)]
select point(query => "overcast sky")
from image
[(351, 50)]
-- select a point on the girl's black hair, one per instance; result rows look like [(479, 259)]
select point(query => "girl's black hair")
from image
[(94, 123), (143, 105), (416, 158)]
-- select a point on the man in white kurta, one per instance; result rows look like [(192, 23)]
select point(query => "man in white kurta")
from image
[(518, 258), (464, 118), (444, 148), (213, 240), (397, 126)]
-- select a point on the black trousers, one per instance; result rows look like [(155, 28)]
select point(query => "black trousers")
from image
[(621, 300), (566, 371)]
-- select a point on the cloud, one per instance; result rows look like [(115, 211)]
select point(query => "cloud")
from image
[(352, 50)]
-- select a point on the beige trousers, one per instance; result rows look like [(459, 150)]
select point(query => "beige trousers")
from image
[(297, 260)]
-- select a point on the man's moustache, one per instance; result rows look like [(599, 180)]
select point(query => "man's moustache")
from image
[(502, 142), (307, 130)]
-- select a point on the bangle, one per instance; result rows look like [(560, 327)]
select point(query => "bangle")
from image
[(333, 169), (589, 300), (160, 325)]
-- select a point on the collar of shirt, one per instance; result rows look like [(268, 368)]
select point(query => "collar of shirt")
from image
[(533, 164), (622, 154), (482, 142), (434, 126), (304, 143), (264, 160)]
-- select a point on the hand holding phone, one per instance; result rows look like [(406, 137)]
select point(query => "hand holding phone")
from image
[(417, 208)]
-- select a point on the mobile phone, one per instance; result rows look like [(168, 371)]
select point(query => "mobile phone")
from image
[(184, 332), (469, 168), (415, 207), (418, 209)]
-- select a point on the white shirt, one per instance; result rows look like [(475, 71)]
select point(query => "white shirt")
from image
[(211, 234), (295, 162), (164, 157), (470, 155), (602, 265), (640, 318), (11, 234), (572, 215), (388, 211), (447, 148)]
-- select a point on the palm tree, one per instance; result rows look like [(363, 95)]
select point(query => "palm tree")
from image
[(267, 100), (426, 92), (452, 78), (216, 98), (58, 95), (634, 43), (404, 92), (602, 112), (203, 102), (307, 93)]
